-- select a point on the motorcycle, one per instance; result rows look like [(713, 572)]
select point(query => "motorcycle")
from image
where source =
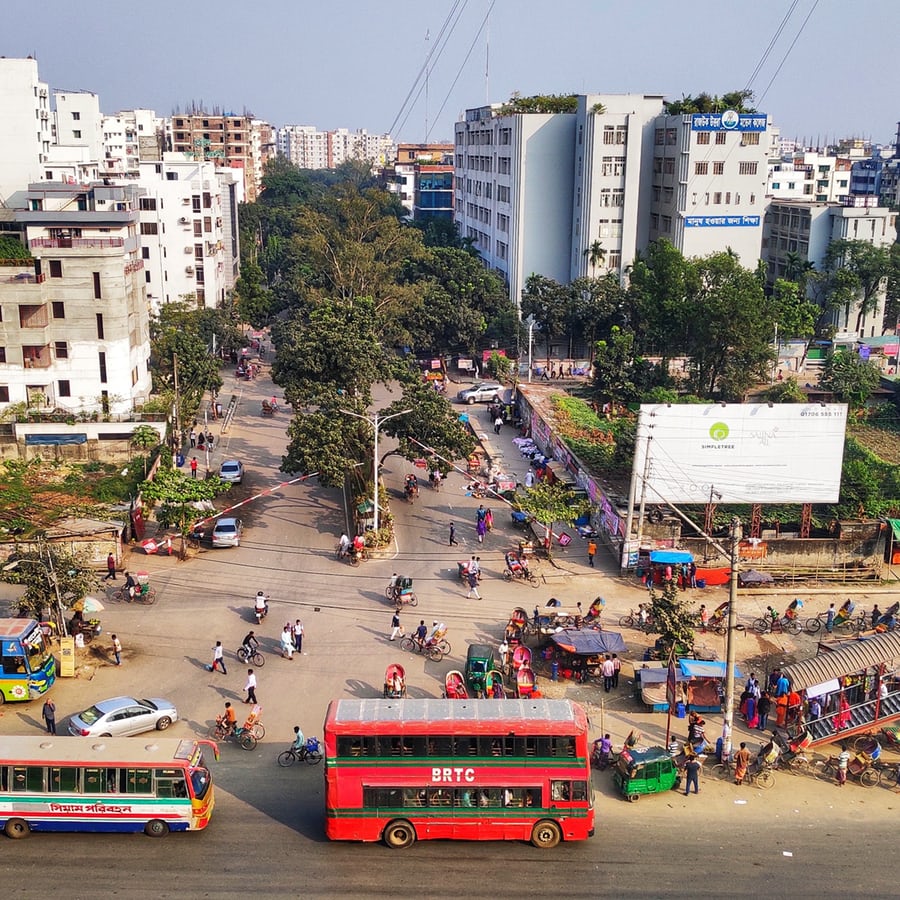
[(261, 611)]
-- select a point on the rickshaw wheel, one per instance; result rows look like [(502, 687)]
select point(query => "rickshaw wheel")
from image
[(626, 621), (868, 777), (413, 600), (813, 625), (633, 798), (248, 741), (794, 627), (435, 654), (761, 626), (399, 834), (766, 779), (533, 580), (546, 834)]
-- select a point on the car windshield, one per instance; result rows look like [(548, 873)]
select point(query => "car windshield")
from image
[(225, 529), (148, 704), (90, 716), (229, 467)]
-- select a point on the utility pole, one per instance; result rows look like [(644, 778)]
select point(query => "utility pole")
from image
[(729, 639), (177, 439)]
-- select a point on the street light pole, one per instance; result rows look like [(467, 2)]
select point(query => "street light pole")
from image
[(530, 344), (376, 421)]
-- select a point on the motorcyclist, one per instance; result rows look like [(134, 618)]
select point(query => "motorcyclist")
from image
[(250, 643), (261, 604), (359, 545)]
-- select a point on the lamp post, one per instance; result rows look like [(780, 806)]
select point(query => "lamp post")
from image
[(530, 345), (376, 421), (51, 577)]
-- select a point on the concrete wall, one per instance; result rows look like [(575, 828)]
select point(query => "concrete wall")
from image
[(106, 441)]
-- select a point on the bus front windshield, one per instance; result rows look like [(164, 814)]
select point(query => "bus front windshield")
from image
[(37, 650), (200, 782)]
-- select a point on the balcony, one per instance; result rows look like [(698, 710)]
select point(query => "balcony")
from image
[(33, 315), (77, 243), (37, 356), (24, 278)]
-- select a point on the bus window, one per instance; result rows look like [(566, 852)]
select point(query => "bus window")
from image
[(489, 797), (28, 778), (579, 790), (170, 783), (441, 746), (138, 781), (439, 797), (544, 746), (4, 779), (559, 790), (563, 746), (94, 780), (63, 779), (464, 797), (200, 782), (13, 665)]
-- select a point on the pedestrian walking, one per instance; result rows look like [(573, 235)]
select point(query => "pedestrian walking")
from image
[(829, 619), (876, 615), (250, 687), (617, 667), (481, 529), (117, 650), (472, 578), (218, 410), (843, 764), (201, 441), (287, 641), (608, 670), (110, 567), (762, 711), (489, 519), (529, 479), (592, 550), (209, 440), (453, 539), (193, 467), (396, 627), (193, 438), (692, 775), (218, 659), (704, 618), (49, 715), (741, 763), (298, 636), (498, 424)]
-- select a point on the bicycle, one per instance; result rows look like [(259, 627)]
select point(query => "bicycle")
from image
[(250, 656), (855, 623), (308, 753), (633, 620), (766, 624), (142, 594), (435, 652), (762, 776)]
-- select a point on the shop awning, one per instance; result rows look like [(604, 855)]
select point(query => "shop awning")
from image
[(589, 643), (671, 557), (895, 527), (861, 654), (54, 440), (702, 668)]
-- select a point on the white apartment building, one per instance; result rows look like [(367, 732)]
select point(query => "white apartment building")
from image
[(709, 176), (308, 148), (513, 191), (182, 231), (799, 227), (809, 175), (25, 130), (614, 144), (77, 121), (130, 137), (75, 330), (71, 165)]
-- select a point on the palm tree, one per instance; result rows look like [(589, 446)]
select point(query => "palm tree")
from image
[(797, 267), (596, 255)]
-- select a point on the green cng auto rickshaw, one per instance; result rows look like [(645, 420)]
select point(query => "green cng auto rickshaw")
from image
[(479, 661), (647, 771)]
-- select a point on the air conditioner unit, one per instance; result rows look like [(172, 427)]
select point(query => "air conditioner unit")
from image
[(188, 249), (184, 220), (188, 270), (185, 201)]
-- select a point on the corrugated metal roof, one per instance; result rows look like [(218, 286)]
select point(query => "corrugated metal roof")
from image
[(861, 654), (433, 710)]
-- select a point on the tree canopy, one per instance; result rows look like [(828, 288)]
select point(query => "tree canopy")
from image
[(739, 101), (73, 574)]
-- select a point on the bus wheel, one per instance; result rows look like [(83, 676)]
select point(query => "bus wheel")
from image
[(546, 834), (399, 834), (156, 828), (16, 828)]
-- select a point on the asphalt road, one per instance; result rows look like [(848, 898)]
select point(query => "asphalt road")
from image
[(266, 836)]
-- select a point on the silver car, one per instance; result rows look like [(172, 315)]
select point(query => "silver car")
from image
[(484, 392), (227, 532), (232, 471), (122, 716)]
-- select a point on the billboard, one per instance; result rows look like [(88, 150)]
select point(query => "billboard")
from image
[(740, 452), (729, 121)]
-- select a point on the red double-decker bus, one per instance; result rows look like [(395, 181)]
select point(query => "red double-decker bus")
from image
[(398, 770)]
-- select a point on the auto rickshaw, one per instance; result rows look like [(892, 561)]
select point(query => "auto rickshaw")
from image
[(649, 771), (479, 661)]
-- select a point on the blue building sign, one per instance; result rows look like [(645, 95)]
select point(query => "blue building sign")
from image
[(729, 121), (721, 221)]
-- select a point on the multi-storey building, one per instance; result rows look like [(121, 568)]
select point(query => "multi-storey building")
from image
[(75, 331), (422, 179), (513, 181), (25, 131), (709, 182), (801, 230), (809, 175), (614, 144), (77, 122), (308, 148), (182, 231), (130, 137), (238, 142)]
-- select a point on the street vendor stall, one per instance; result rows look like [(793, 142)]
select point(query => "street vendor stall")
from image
[(699, 685), (663, 565), (579, 653)]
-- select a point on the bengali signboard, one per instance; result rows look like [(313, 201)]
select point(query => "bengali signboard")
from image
[(729, 121)]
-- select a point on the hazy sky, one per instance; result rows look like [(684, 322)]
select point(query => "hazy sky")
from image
[(352, 63)]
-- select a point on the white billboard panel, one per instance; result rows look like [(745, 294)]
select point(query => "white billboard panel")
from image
[(745, 452)]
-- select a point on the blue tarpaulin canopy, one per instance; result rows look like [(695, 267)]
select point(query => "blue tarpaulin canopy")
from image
[(589, 643), (671, 557), (701, 668), (34, 440)]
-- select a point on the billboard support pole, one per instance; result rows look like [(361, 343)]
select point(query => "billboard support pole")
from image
[(632, 492), (729, 639), (643, 506)]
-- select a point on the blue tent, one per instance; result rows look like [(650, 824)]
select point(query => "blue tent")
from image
[(671, 557), (589, 642)]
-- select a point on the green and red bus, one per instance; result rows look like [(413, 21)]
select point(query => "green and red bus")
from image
[(401, 770)]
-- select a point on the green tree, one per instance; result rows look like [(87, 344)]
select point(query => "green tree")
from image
[(850, 378), (175, 335), (145, 438), (176, 493), (787, 391), (73, 574), (672, 620), (619, 375), (795, 315), (284, 184), (596, 305), (547, 302), (498, 367), (254, 300), (739, 101), (540, 103), (551, 503), (596, 255)]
